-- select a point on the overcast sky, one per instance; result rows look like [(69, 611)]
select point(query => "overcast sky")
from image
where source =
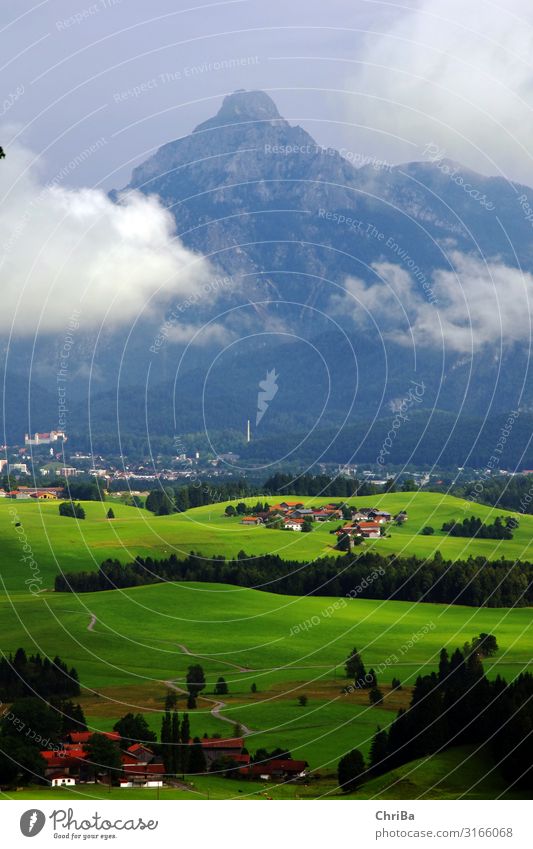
[(376, 78)]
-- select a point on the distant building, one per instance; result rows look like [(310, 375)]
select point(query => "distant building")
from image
[(20, 468), (45, 438), (68, 472)]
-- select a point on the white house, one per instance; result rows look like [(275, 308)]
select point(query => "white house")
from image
[(293, 524), (63, 781)]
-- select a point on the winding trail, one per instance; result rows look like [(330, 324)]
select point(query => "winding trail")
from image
[(92, 623), (216, 710), (214, 659)]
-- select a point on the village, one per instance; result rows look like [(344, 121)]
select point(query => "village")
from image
[(362, 523), (141, 767)]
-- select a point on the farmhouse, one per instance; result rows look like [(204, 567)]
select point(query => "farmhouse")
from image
[(215, 748), (293, 524), (143, 775), (44, 494), (321, 515), (380, 516), (251, 521), (370, 530)]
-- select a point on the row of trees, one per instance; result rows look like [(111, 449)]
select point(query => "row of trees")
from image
[(453, 706), (22, 676), (474, 582), (474, 527), (509, 493), (166, 500), (337, 487)]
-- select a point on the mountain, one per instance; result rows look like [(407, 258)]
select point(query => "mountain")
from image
[(351, 283)]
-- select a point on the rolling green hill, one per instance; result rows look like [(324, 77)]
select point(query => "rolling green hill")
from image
[(129, 646), (126, 644), (64, 544)]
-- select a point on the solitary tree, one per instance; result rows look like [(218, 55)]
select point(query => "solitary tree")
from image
[(354, 666), (195, 680), (133, 728), (485, 645), (375, 696), (221, 688), (302, 700), (110, 514), (371, 679)]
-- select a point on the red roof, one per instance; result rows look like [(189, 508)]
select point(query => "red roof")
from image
[(144, 769), (369, 526), (288, 765), (136, 746), (85, 736), (218, 743)]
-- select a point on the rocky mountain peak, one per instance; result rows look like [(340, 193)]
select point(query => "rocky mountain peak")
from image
[(243, 106)]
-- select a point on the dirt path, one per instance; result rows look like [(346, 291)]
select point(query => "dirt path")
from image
[(92, 623), (216, 710), (236, 666)]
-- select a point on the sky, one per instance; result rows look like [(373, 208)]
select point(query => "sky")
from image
[(91, 89), (115, 79)]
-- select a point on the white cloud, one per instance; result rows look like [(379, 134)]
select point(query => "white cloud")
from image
[(453, 74), (66, 250), (477, 304), (200, 334)]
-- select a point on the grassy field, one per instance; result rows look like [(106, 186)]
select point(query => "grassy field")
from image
[(64, 544), (146, 636), (130, 646)]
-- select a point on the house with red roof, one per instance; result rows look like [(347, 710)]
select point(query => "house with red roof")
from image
[(293, 524), (143, 775), (370, 530)]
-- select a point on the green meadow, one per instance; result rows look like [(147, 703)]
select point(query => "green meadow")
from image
[(146, 636), (130, 646), (63, 544)]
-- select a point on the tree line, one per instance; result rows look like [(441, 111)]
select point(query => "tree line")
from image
[(22, 676), (475, 582), (509, 493), (455, 705), (474, 527)]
